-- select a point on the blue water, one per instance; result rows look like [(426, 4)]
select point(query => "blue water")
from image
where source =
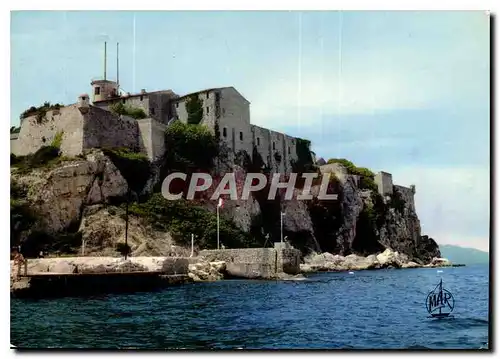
[(367, 310)]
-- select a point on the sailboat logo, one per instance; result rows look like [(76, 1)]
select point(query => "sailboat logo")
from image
[(440, 302)]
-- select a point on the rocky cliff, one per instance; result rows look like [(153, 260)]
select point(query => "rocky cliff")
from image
[(80, 203)]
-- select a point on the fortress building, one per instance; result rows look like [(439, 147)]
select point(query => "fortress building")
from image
[(90, 124), (225, 111)]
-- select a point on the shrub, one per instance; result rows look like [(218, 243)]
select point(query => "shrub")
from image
[(43, 156), (366, 176), (57, 141), (15, 159), (181, 218), (304, 162), (41, 111), (346, 163), (134, 166), (123, 248), (121, 109), (189, 148)]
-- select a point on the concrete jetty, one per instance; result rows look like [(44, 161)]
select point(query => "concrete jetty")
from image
[(257, 263), (45, 277), (48, 277)]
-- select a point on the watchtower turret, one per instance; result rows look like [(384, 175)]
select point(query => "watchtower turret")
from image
[(103, 90), (83, 103)]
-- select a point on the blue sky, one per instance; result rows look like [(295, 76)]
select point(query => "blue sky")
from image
[(404, 92)]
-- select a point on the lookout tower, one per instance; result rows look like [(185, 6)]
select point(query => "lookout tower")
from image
[(103, 89)]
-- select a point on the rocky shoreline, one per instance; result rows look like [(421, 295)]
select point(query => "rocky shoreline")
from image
[(327, 262), (198, 269)]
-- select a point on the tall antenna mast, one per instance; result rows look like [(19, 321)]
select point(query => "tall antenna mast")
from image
[(104, 60), (117, 71)]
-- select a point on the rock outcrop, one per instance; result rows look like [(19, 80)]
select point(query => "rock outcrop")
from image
[(203, 271), (60, 194), (387, 259), (102, 227), (82, 194)]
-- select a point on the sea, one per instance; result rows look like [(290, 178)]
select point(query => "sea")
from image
[(379, 309)]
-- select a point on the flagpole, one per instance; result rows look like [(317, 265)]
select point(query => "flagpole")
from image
[(218, 225), (281, 215)]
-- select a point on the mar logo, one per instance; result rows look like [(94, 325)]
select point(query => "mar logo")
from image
[(440, 302)]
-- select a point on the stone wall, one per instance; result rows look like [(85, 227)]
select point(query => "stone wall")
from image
[(384, 183), (262, 142), (269, 142), (104, 129), (14, 142), (256, 262), (231, 111), (235, 121), (161, 106), (157, 105), (35, 134), (408, 195), (209, 108), (152, 138), (288, 260)]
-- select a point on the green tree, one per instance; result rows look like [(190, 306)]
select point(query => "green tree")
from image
[(189, 148)]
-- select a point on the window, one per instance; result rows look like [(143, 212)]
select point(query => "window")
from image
[(123, 101), (288, 149), (274, 146), (224, 132), (208, 94), (258, 141), (152, 110), (241, 136), (97, 91), (176, 105), (207, 110), (141, 97)]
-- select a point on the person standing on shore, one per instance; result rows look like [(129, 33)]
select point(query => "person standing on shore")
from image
[(18, 261)]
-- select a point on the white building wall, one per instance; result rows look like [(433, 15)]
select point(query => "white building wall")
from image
[(235, 118)]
